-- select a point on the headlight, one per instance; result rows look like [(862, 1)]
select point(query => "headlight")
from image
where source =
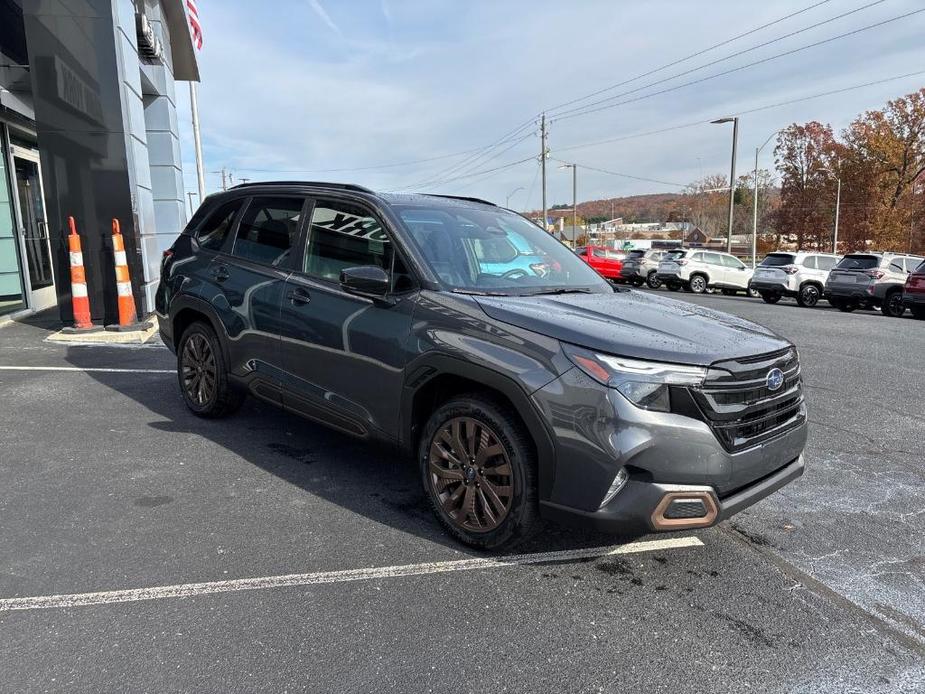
[(644, 383)]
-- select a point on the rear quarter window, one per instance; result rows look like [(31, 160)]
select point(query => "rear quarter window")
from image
[(214, 230), (825, 262)]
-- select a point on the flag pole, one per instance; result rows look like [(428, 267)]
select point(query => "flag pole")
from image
[(197, 141)]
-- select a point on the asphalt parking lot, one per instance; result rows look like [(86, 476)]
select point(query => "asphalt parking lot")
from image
[(264, 553)]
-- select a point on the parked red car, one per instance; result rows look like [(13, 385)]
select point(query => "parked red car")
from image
[(606, 261), (914, 292)]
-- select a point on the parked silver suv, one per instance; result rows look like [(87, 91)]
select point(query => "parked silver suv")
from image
[(800, 275), (870, 280), (641, 267), (697, 270)]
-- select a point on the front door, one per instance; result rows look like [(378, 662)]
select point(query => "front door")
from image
[(344, 355), (34, 228)]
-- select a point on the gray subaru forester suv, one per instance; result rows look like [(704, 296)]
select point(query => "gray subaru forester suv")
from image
[(523, 391)]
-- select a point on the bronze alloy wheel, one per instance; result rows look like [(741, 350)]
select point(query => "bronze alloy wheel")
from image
[(198, 369), (470, 474)]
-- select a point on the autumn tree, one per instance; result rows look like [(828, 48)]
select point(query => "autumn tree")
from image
[(806, 158)]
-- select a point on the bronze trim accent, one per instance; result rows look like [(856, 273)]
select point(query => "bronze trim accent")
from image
[(659, 522)]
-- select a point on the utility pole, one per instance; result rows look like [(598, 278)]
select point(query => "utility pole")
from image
[(224, 184), (574, 203), (543, 164), (837, 210), (189, 197)]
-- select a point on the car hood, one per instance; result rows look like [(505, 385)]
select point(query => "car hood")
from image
[(636, 325)]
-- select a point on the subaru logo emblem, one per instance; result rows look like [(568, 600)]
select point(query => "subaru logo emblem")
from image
[(775, 379)]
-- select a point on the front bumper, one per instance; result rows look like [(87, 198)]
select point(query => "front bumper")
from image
[(597, 432)]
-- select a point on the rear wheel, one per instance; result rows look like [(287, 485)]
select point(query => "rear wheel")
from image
[(809, 295), (203, 374), (893, 305), (697, 284), (479, 472), (770, 297), (653, 281)]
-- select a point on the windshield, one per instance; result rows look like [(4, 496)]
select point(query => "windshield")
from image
[(494, 251), (858, 262), (778, 260)]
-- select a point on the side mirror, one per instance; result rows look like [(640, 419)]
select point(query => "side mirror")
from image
[(366, 280)]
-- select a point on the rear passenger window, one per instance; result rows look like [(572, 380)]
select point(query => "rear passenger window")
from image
[(912, 263), (214, 231), (810, 262), (825, 262), (268, 230), (344, 235), (713, 258)]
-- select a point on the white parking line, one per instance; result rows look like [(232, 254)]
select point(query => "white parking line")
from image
[(192, 589), (87, 370)]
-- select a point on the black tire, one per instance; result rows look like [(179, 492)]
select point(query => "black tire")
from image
[(892, 305), (918, 312), (729, 292), (653, 281), (521, 519), (203, 374), (753, 293), (809, 295), (673, 286), (770, 297), (846, 306), (697, 284)]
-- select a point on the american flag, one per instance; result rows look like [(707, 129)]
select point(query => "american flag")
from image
[(194, 24)]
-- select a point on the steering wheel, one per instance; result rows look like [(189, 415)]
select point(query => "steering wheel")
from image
[(515, 274)]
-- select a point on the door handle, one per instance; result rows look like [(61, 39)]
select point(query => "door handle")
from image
[(220, 273), (299, 296)]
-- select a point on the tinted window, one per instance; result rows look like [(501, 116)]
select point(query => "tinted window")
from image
[(731, 261), (778, 260), (825, 262), (344, 235), (214, 231), (858, 262), (268, 229), (920, 268)]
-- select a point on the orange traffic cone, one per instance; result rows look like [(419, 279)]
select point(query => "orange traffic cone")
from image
[(79, 297), (128, 317)]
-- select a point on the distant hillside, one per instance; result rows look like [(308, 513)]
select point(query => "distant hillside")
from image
[(657, 207)]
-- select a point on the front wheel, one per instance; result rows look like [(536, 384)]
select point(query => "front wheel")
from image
[(770, 297), (808, 296), (673, 286), (893, 305), (203, 374), (653, 281), (479, 472)]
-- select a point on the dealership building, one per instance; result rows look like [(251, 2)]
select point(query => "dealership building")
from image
[(88, 128)]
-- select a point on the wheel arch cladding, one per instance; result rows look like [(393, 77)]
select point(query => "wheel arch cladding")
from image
[(442, 377)]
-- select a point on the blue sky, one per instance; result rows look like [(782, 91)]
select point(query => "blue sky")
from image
[(293, 88)]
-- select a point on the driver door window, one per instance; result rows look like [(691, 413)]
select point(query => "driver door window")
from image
[(343, 235)]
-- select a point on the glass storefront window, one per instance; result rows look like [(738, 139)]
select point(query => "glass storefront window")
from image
[(11, 290)]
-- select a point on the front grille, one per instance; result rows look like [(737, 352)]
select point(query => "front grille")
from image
[(740, 408)]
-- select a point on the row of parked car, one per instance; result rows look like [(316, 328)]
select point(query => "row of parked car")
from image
[(890, 282)]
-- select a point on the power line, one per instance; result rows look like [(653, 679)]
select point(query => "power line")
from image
[(464, 170), (488, 171), (370, 167), (766, 107), (736, 69), (688, 57), (621, 175)]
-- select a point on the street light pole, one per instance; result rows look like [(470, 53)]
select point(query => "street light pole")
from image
[(755, 202), (732, 175), (507, 200), (574, 168)]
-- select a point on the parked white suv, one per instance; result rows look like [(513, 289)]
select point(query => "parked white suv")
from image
[(800, 275), (697, 270)]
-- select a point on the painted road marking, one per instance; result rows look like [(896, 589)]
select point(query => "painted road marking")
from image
[(88, 370), (186, 590)]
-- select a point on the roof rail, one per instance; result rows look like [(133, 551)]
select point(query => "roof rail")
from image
[(460, 197), (320, 184)]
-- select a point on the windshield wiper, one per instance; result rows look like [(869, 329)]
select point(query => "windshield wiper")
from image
[(560, 290), (478, 292)]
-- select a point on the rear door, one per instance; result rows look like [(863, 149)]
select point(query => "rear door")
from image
[(251, 278), (344, 355), (737, 274)]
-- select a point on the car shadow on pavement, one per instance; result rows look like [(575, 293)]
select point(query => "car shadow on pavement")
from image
[(373, 480)]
